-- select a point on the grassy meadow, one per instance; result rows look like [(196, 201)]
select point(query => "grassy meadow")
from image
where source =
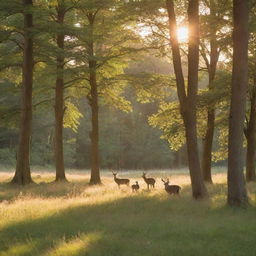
[(74, 219)]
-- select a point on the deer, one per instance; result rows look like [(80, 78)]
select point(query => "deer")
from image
[(171, 189), (150, 181), (135, 187), (120, 181)]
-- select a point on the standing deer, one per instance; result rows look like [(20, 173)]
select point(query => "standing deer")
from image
[(149, 181), (135, 187), (171, 189), (120, 181)]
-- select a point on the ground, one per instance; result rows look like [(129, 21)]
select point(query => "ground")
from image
[(73, 218)]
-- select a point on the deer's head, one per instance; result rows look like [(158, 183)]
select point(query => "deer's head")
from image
[(114, 173), (166, 183)]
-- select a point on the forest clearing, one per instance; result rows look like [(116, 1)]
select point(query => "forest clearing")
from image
[(128, 127), (73, 218)]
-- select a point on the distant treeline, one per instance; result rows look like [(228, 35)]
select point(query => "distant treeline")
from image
[(126, 140)]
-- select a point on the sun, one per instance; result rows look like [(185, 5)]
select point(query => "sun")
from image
[(182, 33)]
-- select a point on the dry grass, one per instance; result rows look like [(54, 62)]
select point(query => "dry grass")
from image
[(76, 219)]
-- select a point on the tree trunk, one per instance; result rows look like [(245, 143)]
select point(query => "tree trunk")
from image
[(237, 194), (251, 140), (93, 102), (94, 135), (59, 103), (198, 187), (207, 147), (208, 140), (188, 102), (22, 175)]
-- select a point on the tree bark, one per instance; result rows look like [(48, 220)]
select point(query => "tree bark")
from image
[(208, 139), (94, 135), (237, 194), (93, 102), (22, 175), (250, 136), (59, 102), (207, 147), (188, 102)]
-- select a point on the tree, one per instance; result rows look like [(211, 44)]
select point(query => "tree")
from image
[(214, 22), (237, 195), (58, 42), (22, 175), (59, 107), (214, 19), (105, 46), (93, 101), (188, 99)]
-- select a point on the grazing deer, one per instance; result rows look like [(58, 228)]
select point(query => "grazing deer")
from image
[(171, 189), (120, 181), (135, 187), (149, 181)]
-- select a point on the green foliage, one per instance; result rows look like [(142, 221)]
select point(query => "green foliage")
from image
[(71, 116), (7, 156), (222, 152), (169, 120), (109, 41), (153, 87), (129, 43), (126, 140)]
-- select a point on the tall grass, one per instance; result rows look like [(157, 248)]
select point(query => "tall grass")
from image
[(76, 219)]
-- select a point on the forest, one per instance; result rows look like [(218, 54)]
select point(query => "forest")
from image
[(128, 127)]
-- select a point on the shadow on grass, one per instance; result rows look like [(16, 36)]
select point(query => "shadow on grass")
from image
[(137, 225)]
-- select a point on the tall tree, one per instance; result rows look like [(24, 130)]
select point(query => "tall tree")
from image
[(61, 10), (188, 98), (105, 41), (22, 175), (93, 101), (215, 18), (237, 194), (56, 50)]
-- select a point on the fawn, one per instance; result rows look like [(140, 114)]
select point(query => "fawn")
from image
[(171, 189), (149, 181), (120, 181), (135, 187)]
